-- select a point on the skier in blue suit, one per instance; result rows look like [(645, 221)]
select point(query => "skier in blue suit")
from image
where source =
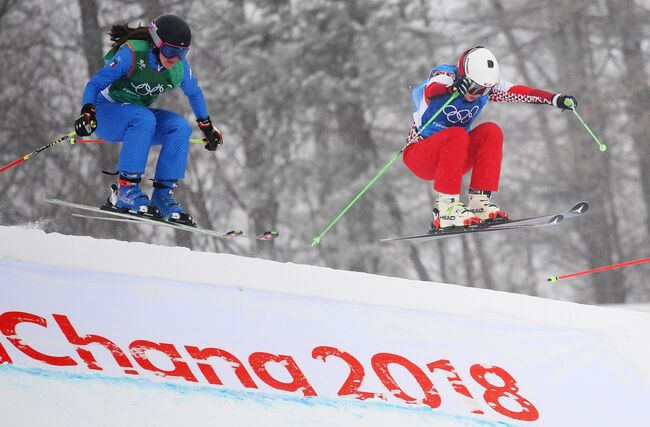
[(143, 63)]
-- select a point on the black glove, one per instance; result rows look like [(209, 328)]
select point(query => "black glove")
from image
[(462, 84), (86, 123), (565, 102), (212, 134)]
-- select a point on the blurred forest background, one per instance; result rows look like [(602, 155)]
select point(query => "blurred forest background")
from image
[(313, 97)]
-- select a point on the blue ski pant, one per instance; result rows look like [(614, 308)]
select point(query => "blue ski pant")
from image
[(138, 128)]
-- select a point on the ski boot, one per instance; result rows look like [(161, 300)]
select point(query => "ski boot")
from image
[(127, 197), (163, 199), (483, 208), (450, 212)]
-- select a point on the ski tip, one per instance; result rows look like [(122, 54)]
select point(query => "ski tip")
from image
[(234, 233), (580, 208), (315, 242), (552, 279)]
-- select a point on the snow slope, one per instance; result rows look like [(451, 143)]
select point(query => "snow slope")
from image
[(200, 338)]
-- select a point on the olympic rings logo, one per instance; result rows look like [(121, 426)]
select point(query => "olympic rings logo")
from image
[(455, 115), (143, 89)]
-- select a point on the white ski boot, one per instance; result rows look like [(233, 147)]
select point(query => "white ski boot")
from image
[(483, 208), (451, 212)]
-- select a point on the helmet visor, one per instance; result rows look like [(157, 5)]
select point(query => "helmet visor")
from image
[(477, 89), (169, 51)]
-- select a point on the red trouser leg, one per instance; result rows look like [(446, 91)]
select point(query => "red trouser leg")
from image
[(484, 157), (440, 158)]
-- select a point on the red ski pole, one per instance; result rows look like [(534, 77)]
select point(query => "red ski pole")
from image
[(68, 137), (554, 279), (38, 150)]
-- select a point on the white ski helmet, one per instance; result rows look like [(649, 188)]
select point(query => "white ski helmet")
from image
[(480, 66)]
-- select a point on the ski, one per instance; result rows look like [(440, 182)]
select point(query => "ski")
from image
[(133, 218), (577, 210)]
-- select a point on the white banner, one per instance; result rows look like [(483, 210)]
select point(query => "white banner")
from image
[(470, 371)]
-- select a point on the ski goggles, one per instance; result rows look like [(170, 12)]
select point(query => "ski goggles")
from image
[(168, 50), (477, 89)]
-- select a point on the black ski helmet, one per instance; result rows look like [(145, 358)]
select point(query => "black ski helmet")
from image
[(170, 29)]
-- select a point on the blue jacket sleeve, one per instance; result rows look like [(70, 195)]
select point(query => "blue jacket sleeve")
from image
[(118, 66), (192, 90)]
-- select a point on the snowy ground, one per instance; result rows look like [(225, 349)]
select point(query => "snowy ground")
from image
[(580, 364)]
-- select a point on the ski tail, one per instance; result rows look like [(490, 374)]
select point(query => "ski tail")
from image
[(267, 235)]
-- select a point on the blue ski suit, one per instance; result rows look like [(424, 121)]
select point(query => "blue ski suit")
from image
[(139, 127)]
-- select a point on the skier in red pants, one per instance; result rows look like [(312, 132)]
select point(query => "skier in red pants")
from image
[(448, 148)]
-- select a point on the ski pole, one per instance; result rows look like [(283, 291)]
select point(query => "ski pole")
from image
[(383, 170), (69, 138), (569, 103), (38, 150), (554, 279), (103, 141)]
